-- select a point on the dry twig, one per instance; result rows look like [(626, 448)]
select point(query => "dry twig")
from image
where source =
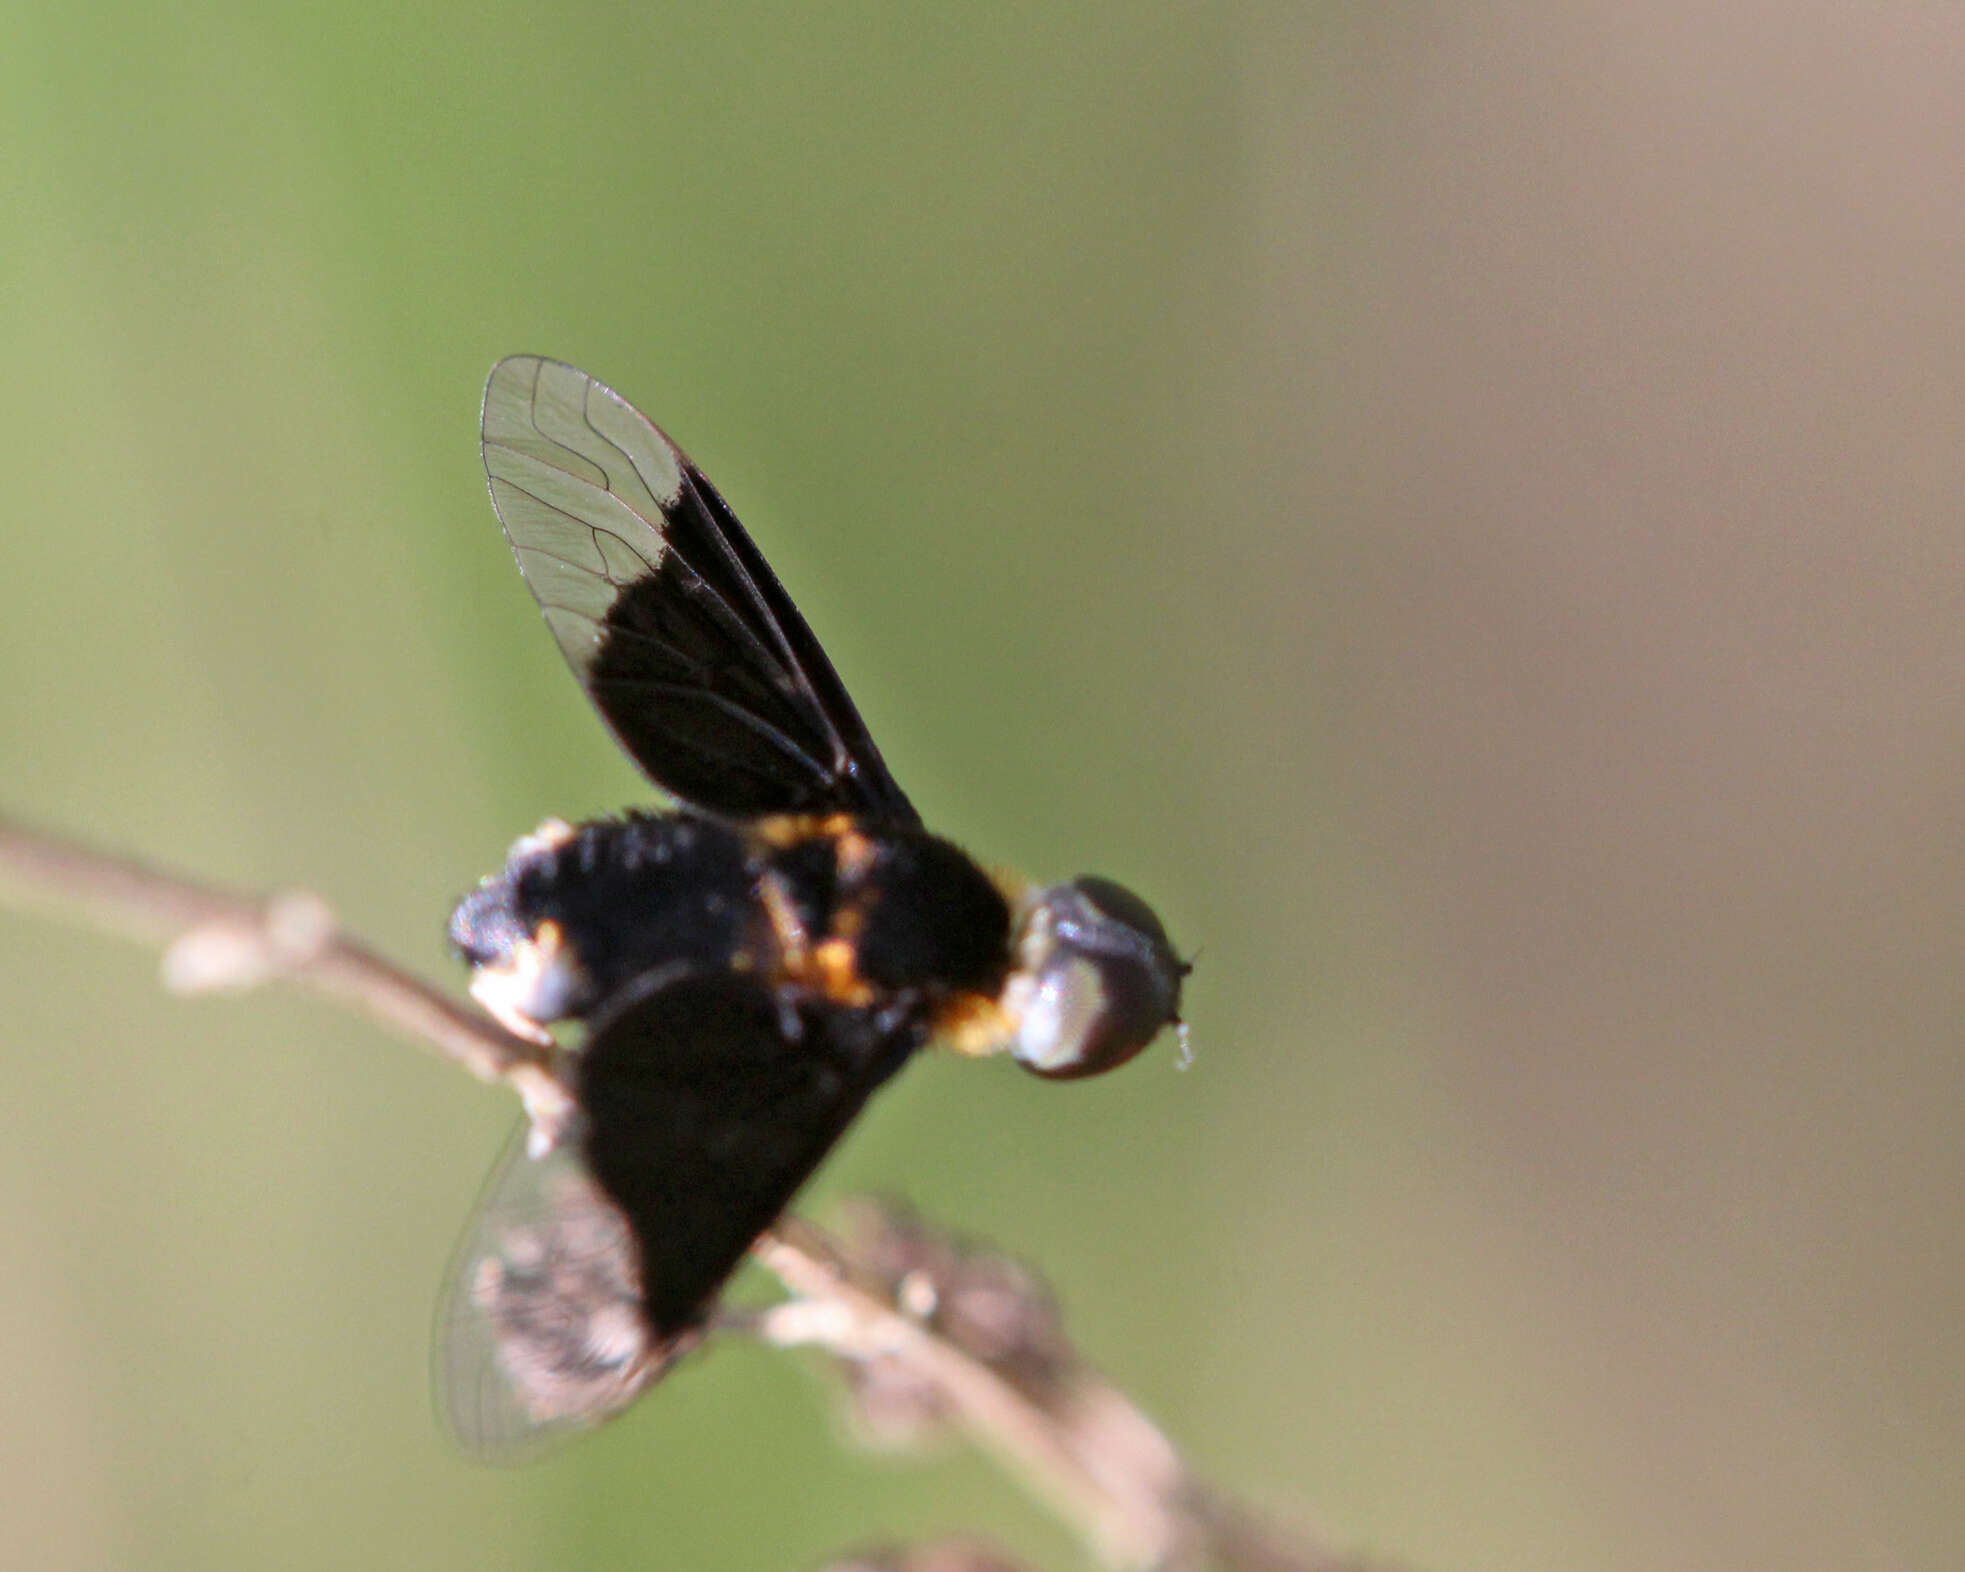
[(930, 1333)]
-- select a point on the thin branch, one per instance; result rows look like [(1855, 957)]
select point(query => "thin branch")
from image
[(1132, 1525), (891, 1305), (967, 1337), (222, 940)]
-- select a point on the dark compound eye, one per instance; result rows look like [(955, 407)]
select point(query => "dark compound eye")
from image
[(1096, 980)]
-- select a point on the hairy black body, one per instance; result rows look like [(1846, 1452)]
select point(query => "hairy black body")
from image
[(819, 910), (748, 969)]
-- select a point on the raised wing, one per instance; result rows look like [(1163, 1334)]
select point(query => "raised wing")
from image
[(679, 631), (705, 1107)]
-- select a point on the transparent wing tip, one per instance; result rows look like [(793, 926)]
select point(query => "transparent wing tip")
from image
[(542, 1333)]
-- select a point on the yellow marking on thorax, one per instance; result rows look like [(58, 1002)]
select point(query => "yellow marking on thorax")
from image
[(856, 854), (836, 970), (827, 965), (786, 830), (973, 1024)]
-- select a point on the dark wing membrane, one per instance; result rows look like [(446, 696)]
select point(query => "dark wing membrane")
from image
[(707, 1106), (585, 1274), (684, 639)]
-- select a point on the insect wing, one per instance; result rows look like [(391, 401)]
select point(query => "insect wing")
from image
[(541, 1332), (707, 1106), (679, 631), (585, 1274)]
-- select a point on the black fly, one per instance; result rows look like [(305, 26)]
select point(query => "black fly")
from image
[(750, 967)]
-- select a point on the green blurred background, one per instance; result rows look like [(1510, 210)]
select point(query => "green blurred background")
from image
[(1463, 510)]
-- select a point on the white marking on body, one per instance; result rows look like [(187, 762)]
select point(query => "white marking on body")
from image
[(535, 981), (550, 836)]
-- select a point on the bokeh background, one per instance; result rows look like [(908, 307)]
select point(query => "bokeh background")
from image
[(1462, 508)]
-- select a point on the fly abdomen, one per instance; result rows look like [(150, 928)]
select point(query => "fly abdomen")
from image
[(578, 913)]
